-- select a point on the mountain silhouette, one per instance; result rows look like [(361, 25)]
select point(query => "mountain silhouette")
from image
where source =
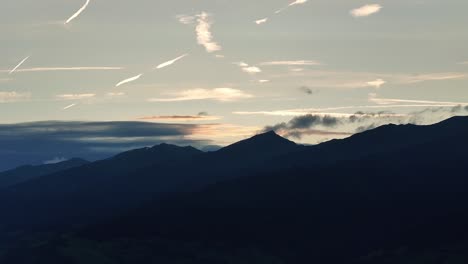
[(268, 143), (29, 172), (388, 192)]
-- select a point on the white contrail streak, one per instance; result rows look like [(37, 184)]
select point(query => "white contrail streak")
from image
[(78, 12), (47, 69), (129, 80), (19, 65), (69, 106), (297, 2), (168, 63), (261, 21)]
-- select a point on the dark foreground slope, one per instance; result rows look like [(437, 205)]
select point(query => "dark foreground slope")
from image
[(29, 172), (401, 202), (109, 187), (397, 194)]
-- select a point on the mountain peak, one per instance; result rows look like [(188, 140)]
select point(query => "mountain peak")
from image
[(264, 142)]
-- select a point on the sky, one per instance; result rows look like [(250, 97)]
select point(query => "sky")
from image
[(224, 70)]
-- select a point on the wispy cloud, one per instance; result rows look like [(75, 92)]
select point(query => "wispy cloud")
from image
[(263, 81), (336, 111), (55, 160), (464, 63), (389, 101), (297, 2), (377, 83), (261, 21), (410, 79), (366, 10), (69, 106), (291, 63), (247, 68), (217, 94), (18, 65), (168, 63), (186, 19), (10, 97), (75, 15), (204, 35), (252, 70), (75, 96), (48, 69), (131, 79), (180, 118)]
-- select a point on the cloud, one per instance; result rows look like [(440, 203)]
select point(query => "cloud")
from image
[(168, 63), (32, 143), (355, 80), (202, 116), (18, 65), (347, 124), (301, 125), (297, 2), (291, 63), (69, 106), (464, 63), (366, 10), (75, 96), (261, 21), (389, 101), (410, 79), (186, 19), (204, 35), (48, 69), (75, 15), (131, 79), (217, 94), (251, 70), (55, 160), (10, 97), (377, 83), (247, 68), (263, 81)]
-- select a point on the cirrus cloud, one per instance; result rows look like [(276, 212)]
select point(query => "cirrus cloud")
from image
[(10, 97), (217, 94), (366, 10)]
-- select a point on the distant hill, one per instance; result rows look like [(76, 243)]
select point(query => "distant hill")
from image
[(395, 193), (29, 172)]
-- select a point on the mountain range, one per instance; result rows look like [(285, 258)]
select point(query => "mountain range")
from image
[(394, 194)]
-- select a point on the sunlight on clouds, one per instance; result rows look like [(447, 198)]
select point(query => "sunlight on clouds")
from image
[(75, 96), (366, 10), (377, 83), (217, 94), (180, 118), (388, 101), (204, 35)]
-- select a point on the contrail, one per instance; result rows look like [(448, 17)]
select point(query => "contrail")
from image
[(69, 106), (297, 2), (78, 12), (47, 69), (168, 63), (19, 64), (129, 80), (261, 21)]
